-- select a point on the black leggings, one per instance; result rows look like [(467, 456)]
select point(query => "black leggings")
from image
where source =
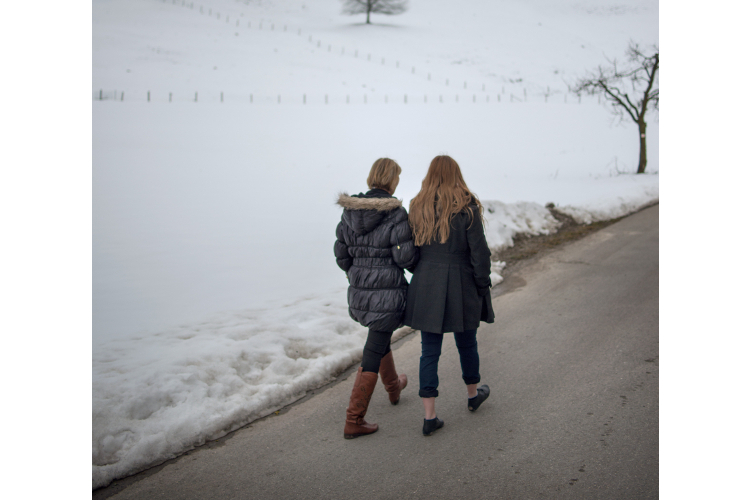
[(378, 345)]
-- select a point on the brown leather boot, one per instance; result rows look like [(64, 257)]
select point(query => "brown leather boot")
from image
[(393, 382), (356, 426)]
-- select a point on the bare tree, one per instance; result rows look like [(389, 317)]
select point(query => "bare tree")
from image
[(387, 7), (641, 75)]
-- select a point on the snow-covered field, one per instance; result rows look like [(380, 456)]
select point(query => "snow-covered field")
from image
[(216, 295)]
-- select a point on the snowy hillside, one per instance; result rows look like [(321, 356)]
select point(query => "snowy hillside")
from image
[(216, 295)]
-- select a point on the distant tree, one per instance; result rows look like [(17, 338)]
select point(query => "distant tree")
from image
[(387, 7), (639, 74)]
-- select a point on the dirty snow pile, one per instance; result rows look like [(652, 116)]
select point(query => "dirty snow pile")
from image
[(161, 395)]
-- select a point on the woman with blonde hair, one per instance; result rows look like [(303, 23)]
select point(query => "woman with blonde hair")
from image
[(449, 291), (373, 246)]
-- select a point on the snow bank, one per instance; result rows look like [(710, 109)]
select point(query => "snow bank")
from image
[(505, 220), (634, 193), (157, 396)]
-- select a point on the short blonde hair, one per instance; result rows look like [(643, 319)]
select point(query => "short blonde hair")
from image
[(383, 174)]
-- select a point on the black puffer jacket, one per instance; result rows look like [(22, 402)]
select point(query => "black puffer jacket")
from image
[(373, 246)]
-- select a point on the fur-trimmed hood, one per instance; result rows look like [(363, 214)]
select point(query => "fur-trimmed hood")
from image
[(365, 212), (378, 204)]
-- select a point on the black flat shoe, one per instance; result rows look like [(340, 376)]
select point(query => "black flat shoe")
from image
[(430, 426), (482, 394)]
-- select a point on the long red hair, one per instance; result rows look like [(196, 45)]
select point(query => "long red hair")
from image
[(444, 195)]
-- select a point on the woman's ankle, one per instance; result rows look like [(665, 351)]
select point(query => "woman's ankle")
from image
[(472, 390), (429, 408)]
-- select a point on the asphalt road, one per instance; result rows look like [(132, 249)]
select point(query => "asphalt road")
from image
[(573, 364)]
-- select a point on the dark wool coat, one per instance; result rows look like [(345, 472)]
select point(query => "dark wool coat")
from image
[(449, 291), (373, 246)]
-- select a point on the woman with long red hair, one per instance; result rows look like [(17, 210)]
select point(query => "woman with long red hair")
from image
[(449, 291)]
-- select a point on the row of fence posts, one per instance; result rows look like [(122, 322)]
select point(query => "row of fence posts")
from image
[(356, 55), (512, 97), (310, 39)]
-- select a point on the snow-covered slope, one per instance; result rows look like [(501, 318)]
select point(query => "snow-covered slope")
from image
[(216, 295)]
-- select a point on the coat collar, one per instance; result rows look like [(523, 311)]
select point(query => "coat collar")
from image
[(375, 199)]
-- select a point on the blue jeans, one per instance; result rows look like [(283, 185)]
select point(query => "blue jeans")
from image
[(432, 343)]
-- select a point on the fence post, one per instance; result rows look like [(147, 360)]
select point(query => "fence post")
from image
[(412, 70), (386, 98), (347, 98), (222, 97), (356, 52), (196, 97), (397, 64), (456, 97), (122, 96), (447, 82), (251, 98), (148, 96), (464, 84), (524, 94), (405, 99), (482, 87), (383, 61), (100, 94), (170, 97), (326, 98), (279, 99), (475, 98), (441, 98), (304, 99)]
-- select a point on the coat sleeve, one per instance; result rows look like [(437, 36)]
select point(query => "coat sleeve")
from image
[(403, 250), (340, 250), (480, 253)]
